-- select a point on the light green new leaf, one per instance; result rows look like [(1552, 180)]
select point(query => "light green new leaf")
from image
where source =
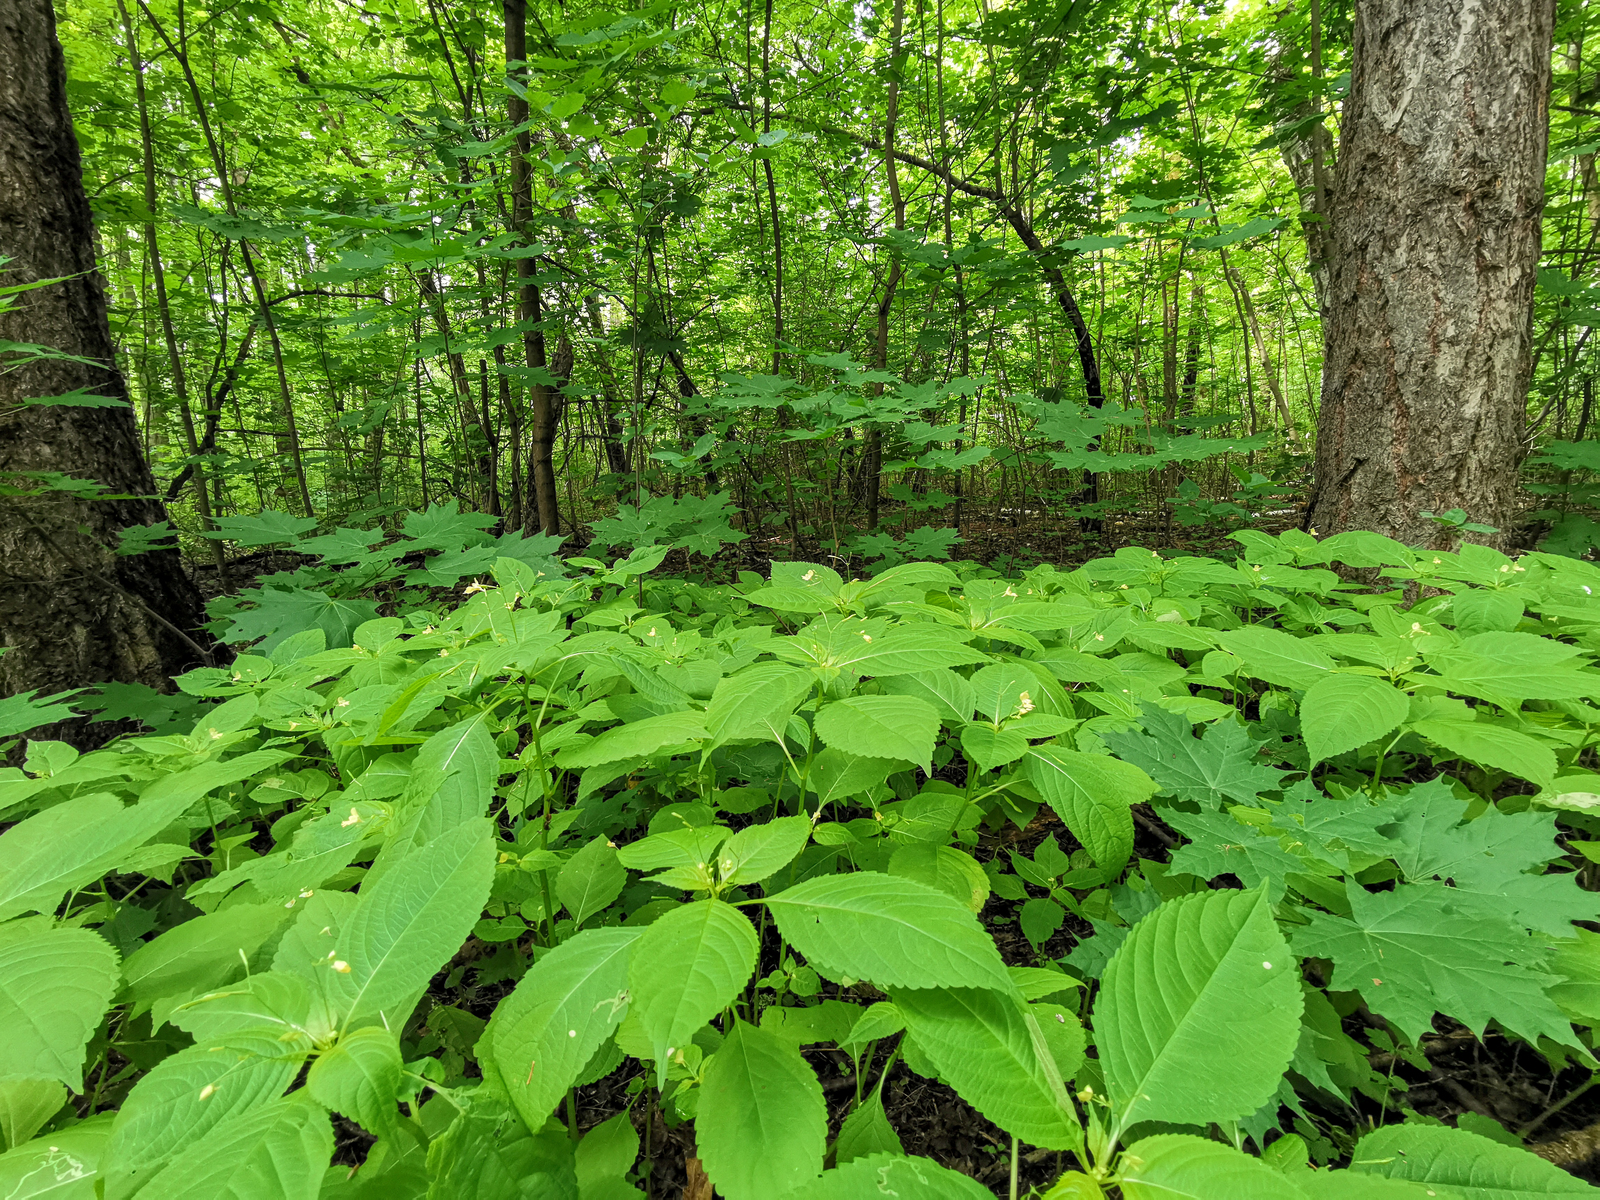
[(1277, 657), (1199, 1011), (59, 1166), (944, 868), (688, 966), (278, 1152), (186, 1096), (881, 1175), (989, 747), (1177, 1166), (636, 740), (1492, 746), (881, 727), (55, 985), (591, 879), (756, 851), (867, 1131), (1341, 712), (409, 923), (755, 703), (360, 1078), (951, 694), (983, 1046), (1471, 1167), (544, 1033), (1094, 795), (1359, 1185), (896, 932), (206, 952), (604, 1157), (26, 1104), (762, 1125)]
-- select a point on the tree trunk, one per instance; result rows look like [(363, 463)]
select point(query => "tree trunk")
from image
[(72, 612), (1433, 244)]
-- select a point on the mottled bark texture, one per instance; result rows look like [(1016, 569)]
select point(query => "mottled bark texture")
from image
[(1432, 247), (72, 612)]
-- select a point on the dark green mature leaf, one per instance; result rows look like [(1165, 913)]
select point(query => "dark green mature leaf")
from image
[(1219, 845), (762, 1125), (636, 739), (1199, 1011), (895, 932), (568, 1003), (988, 1047), (1463, 1164), (283, 612), (1222, 762), (266, 528), (1418, 950), (55, 985)]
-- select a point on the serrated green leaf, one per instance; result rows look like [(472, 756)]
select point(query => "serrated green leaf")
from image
[(1277, 657), (279, 1151), (762, 1125), (55, 986), (1205, 979), (990, 748), (409, 923), (1224, 761), (867, 1131), (590, 880), (1492, 746), (1342, 712), (1094, 795), (1176, 1166), (636, 739), (688, 967), (204, 953), (26, 1104), (755, 852), (568, 1003), (982, 1045), (1471, 1167), (944, 868), (881, 1175), (881, 727), (360, 1078), (756, 702), (62, 1165), (895, 932), (951, 694)]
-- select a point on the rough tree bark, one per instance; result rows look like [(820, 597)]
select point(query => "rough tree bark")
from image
[(1432, 248), (72, 612)]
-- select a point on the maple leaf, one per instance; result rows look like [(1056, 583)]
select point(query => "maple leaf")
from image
[(264, 529), (1418, 950), (445, 527), (1220, 845), (1221, 763), (283, 612)]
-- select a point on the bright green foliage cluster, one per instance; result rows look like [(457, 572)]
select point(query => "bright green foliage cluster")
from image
[(704, 829)]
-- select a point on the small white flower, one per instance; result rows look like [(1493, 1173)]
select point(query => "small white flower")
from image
[(353, 819), (477, 586), (341, 966)]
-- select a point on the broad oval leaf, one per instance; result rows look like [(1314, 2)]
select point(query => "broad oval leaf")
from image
[(881, 1175), (636, 740), (762, 1124), (1094, 795), (756, 702), (1199, 1011), (590, 880), (1178, 1166), (755, 852), (881, 727), (1469, 1166), (1341, 712), (896, 932), (1277, 657), (55, 985), (542, 1035), (982, 1045), (360, 1077), (277, 1152), (687, 967)]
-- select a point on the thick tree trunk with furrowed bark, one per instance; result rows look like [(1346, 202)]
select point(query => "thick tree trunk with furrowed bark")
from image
[(1432, 245), (72, 612)]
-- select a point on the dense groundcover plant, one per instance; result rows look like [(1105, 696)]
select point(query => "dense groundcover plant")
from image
[(706, 829)]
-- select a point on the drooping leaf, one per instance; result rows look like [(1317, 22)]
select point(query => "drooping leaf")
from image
[(1199, 1011), (1277, 657), (1093, 794), (762, 1125), (895, 932), (360, 1078), (983, 1046), (55, 985), (867, 1131), (686, 968), (1465, 1164)]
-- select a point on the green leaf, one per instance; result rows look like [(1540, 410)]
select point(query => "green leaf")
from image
[(1417, 950), (360, 1078), (409, 924), (1342, 712), (281, 613), (55, 986), (1472, 1167), (1220, 845), (989, 747), (605, 1156), (208, 951), (1063, 1035), (756, 702), (944, 868), (186, 1097), (1177, 1166), (756, 851), (983, 1046), (1199, 1011), (880, 1175), (688, 967), (1358, 1185), (881, 727), (1277, 657), (1492, 746), (26, 1104), (1224, 761), (1094, 795), (279, 1151), (638, 739), (487, 1154), (1509, 668), (867, 1131), (62, 1165), (762, 1125), (999, 688), (20, 713), (590, 880), (569, 1002), (951, 694), (266, 528), (895, 932)]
